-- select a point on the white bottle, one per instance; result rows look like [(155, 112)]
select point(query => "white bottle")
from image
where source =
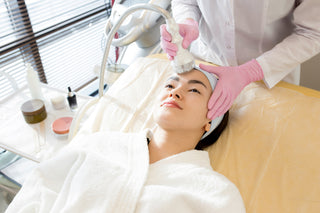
[(34, 83)]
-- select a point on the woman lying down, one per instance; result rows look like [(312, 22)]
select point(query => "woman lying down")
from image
[(163, 170)]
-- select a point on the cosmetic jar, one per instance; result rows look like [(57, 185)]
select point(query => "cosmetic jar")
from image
[(34, 111), (61, 126), (58, 102)]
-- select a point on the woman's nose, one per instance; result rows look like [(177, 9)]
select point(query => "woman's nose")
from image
[(175, 93)]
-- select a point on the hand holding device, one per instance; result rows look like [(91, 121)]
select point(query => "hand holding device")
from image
[(189, 30)]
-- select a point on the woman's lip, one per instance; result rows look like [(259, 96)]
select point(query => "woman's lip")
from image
[(171, 104)]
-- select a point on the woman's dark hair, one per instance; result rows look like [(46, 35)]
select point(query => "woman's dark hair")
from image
[(214, 135)]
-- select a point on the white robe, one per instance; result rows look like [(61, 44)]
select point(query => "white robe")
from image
[(110, 172)]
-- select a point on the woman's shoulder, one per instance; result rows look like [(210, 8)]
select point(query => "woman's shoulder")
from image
[(212, 183), (216, 186)]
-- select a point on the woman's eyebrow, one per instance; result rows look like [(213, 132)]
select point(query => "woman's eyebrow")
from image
[(193, 81), (197, 82), (175, 78)]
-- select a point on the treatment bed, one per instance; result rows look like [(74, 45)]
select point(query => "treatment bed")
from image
[(270, 149)]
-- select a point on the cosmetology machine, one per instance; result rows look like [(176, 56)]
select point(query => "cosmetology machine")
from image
[(141, 35), (137, 36)]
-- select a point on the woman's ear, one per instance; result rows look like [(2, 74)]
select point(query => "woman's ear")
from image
[(207, 126)]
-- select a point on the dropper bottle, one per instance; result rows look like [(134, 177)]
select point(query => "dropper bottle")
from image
[(72, 99)]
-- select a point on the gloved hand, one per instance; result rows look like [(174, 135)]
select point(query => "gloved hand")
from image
[(231, 82), (189, 30)]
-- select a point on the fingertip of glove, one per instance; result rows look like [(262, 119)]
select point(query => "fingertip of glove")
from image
[(202, 66), (185, 44), (164, 33), (210, 115), (170, 57), (206, 67)]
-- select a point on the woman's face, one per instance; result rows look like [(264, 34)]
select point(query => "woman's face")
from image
[(183, 102)]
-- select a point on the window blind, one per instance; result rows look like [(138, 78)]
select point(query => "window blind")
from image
[(61, 39)]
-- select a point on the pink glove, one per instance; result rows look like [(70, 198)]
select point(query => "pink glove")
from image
[(231, 82), (189, 30)]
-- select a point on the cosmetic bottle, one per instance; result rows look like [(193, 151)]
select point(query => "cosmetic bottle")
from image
[(34, 83), (72, 99)]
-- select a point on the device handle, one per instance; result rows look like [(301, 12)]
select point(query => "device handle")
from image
[(183, 56)]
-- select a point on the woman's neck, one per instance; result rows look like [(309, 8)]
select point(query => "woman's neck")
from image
[(167, 143)]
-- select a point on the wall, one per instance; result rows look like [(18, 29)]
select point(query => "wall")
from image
[(310, 73)]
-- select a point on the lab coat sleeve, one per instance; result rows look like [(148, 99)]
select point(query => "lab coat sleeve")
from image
[(183, 9), (300, 46)]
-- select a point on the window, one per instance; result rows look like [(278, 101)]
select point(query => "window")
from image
[(61, 39)]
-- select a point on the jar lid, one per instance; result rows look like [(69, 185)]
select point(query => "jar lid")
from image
[(33, 107), (62, 125)]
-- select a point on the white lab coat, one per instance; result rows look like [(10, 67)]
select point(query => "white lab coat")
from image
[(280, 34)]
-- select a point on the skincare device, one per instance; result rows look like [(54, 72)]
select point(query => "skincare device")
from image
[(184, 60)]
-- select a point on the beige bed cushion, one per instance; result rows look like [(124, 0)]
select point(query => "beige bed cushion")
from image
[(271, 148)]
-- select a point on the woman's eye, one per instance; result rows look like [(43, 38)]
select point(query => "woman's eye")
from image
[(195, 90), (170, 86)]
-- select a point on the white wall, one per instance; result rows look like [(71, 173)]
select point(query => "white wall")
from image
[(310, 73)]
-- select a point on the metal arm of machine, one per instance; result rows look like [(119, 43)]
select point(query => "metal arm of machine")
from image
[(152, 7)]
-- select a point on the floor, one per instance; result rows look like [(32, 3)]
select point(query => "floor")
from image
[(4, 200), (12, 174)]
